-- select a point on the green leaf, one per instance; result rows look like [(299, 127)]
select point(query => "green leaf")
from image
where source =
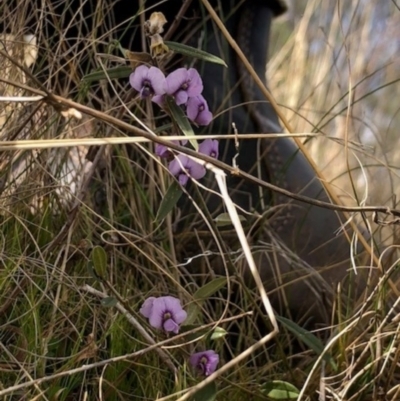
[(91, 271), (182, 121), (195, 53), (223, 220), (307, 338), (210, 288), (200, 295), (163, 128), (169, 201), (193, 310), (280, 390), (112, 73), (218, 333), (109, 302), (99, 259), (207, 393)]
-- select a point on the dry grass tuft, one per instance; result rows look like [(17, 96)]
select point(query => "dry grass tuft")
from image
[(69, 322)]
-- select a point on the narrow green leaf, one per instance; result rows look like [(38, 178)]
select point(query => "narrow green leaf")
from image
[(223, 220), (182, 121), (195, 53), (91, 271), (207, 393), (99, 259), (280, 390), (170, 199), (109, 302), (163, 128), (112, 73), (307, 338), (210, 288), (194, 309)]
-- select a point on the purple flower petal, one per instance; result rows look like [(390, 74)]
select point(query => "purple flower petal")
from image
[(164, 152), (137, 77), (197, 110), (196, 84), (204, 117), (157, 79), (157, 316), (177, 165), (182, 166), (206, 362), (159, 99), (148, 81), (175, 80), (183, 83), (195, 170), (180, 315), (183, 179), (209, 147), (164, 313), (192, 108), (181, 97), (173, 304), (161, 150), (147, 307), (170, 325)]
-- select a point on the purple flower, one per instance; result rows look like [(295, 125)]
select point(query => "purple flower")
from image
[(183, 84), (164, 152), (206, 362), (159, 99), (209, 147), (197, 110), (164, 313), (148, 81), (182, 167)]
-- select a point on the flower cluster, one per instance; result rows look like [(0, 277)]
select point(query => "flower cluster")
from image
[(184, 167), (166, 313), (184, 85)]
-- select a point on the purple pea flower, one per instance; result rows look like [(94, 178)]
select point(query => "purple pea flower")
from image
[(182, 167), (183, 84), (164, 152), (205, 362), (197, 110), (148, 81), (164, 313), (209, 147)]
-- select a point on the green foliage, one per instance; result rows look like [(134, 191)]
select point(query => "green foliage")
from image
[(52, 249), (207, 393), (280, 390), (169, 201), (192, 52), (307, 338), (181, 120), (111, 73), (202, 294), (99, 260)]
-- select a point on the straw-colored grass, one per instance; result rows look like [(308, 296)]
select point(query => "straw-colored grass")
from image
[(69, 322)]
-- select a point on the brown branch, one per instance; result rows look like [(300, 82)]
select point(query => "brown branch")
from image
[(60, 102)]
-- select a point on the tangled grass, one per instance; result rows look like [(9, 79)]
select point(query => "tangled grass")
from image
[(81, 245)]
